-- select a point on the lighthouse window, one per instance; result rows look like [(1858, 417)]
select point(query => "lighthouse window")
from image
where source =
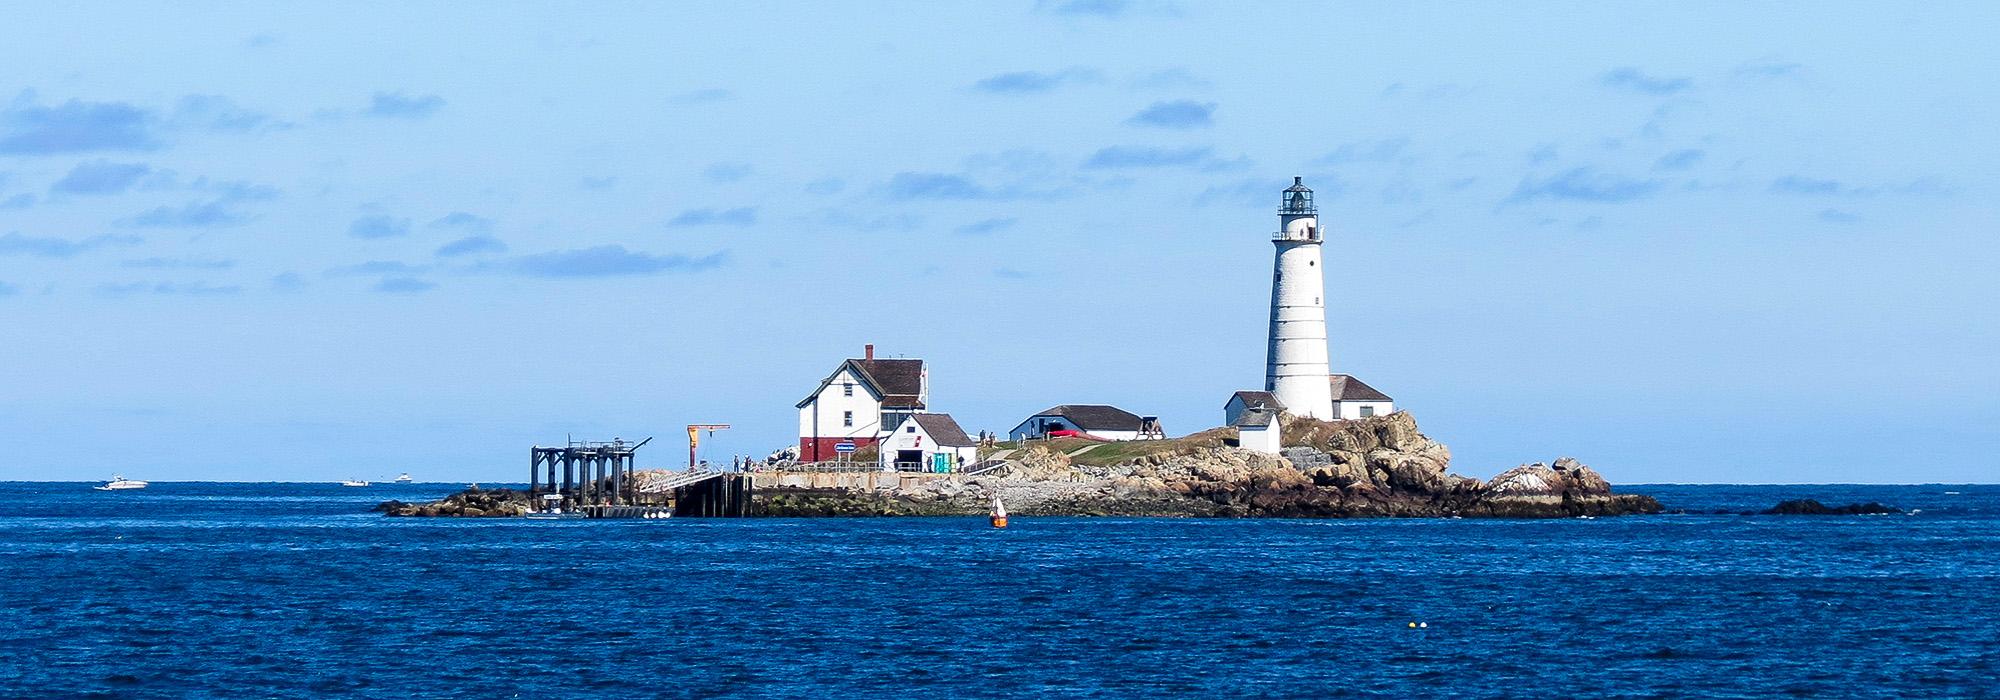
[(1310, 263)]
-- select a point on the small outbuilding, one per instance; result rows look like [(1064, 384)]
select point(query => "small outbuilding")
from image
[(1352, 399), (1088, 420), (1259, 429), (928, 442), (1245, 400)]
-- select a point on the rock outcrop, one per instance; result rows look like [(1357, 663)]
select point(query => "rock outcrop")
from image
[(1807, 506), (470, 503), (1371, 467)]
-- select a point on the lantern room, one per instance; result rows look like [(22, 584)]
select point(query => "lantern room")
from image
[(1298, 200)]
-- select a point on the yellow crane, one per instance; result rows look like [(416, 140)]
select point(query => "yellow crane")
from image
[(694, 437)]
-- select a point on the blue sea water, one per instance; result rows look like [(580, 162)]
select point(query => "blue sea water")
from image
[(295, 590)]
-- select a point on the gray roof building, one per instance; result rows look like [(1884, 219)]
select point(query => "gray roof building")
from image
[(1096, 417), (1347, 388), (1256, 398), (943, 430)]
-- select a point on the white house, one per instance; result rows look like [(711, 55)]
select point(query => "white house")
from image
[(862, 400), (1258, 429), (928, 442), (1098, 421), (1353, 399), (1245, 400)]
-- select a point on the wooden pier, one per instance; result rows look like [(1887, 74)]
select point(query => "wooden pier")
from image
[(723, 495)]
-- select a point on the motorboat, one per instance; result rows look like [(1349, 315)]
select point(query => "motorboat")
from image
[(120, 483), (403, 478), (356, 483)]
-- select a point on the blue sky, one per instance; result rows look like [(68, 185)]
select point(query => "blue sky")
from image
[(1682, 242)]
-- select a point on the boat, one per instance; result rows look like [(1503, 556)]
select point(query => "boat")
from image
[(120, 483), (403, 478), (357, 483), (552, 510), (999, 517)]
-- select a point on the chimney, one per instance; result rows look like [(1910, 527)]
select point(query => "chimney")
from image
[(868, 351)]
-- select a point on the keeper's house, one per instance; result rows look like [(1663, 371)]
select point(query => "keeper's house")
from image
[(863, 400), (1088, 420), (928, 442)]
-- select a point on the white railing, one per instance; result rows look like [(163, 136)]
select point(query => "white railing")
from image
[(678, 480)]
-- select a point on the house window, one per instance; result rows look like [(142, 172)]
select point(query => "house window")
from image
[(1367, 411), (909, 428), (847, 390), (847, 418)]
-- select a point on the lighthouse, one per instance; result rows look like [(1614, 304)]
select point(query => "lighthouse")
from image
[(1295, 369)]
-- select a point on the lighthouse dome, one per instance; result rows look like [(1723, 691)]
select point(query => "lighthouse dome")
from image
[(1298, 199)]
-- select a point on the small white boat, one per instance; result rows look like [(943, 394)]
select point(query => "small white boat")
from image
[(552, 510), (403, 478), (357, 483), (120, 483), (556, 514)]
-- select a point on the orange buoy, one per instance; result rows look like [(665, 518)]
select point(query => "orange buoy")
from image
[(999, 517)]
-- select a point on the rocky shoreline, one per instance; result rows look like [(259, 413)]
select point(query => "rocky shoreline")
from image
[(1371, 467)]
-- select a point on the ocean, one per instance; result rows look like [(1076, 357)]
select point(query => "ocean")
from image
[(296, 590)]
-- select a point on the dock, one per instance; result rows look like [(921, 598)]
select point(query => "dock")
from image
[(600, 480)]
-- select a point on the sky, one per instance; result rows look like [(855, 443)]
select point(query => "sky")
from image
[(1681, 242)]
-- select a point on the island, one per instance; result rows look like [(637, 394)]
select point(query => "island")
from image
[(1381, 466)]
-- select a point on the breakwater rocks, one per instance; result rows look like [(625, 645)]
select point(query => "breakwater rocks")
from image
[(1371, 467), (470, 503)]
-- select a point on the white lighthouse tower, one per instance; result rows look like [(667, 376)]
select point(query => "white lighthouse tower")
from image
[(1295, 370)]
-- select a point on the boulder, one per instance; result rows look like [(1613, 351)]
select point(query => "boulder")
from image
[(1567, 477)]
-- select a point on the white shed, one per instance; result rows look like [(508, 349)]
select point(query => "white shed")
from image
[(1259, 429), (928, 442)]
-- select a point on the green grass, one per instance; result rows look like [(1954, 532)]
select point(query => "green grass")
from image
[(1113, 453)]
